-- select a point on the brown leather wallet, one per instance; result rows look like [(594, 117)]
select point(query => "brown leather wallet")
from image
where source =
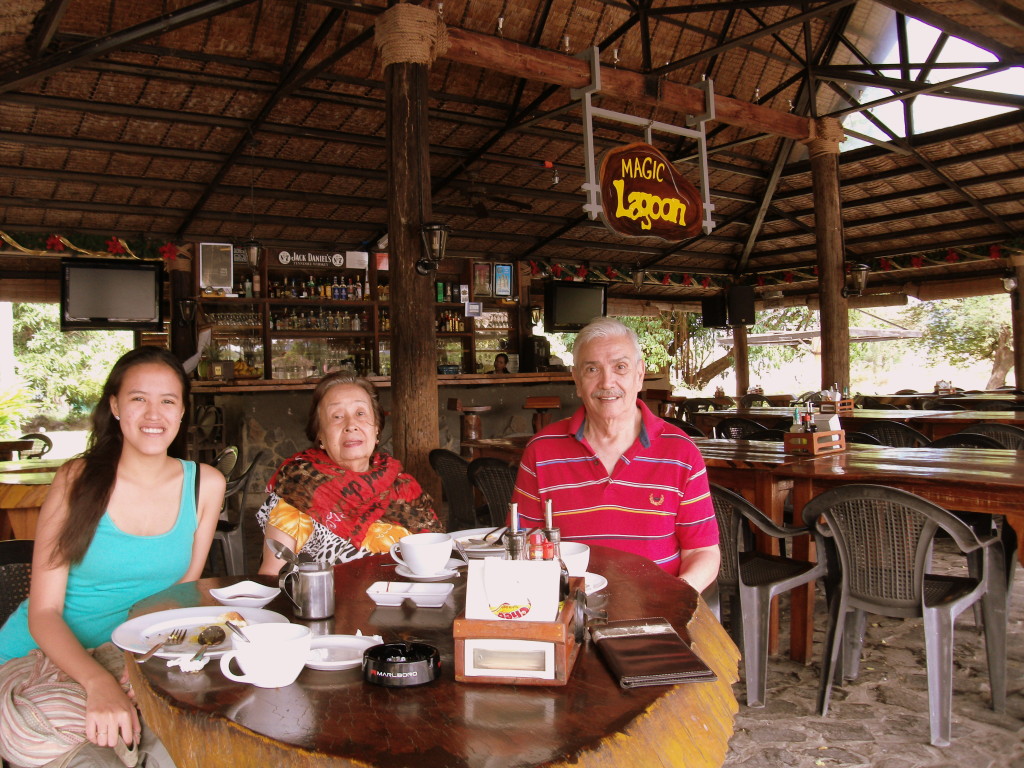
[(648, 651)]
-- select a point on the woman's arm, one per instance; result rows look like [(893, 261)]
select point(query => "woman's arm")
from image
[(272, 565), (210, 502), (108, 709)]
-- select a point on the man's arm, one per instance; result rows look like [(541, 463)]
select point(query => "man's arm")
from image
[(699, 567)]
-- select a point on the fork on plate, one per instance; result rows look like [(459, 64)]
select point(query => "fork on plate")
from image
[(177, 637)]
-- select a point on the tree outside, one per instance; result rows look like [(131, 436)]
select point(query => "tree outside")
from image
[(62, 372)]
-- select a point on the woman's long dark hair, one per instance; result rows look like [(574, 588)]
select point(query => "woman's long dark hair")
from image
[(90, 491)]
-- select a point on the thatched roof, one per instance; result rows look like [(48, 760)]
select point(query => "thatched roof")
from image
[(163, 121)]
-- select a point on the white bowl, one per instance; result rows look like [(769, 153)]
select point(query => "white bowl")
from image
[(247, 594), (576, 557), (424, 595)]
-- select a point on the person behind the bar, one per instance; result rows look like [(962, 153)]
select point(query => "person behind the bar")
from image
[(120, 523), (500, 363), (342, 499), (617, 475)]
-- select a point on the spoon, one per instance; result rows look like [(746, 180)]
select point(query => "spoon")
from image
[(282, 552), (212, 635)]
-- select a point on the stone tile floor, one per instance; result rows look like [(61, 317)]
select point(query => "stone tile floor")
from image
[(881, 719)]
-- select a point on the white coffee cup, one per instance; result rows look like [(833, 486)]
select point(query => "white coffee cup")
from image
[(425, 554), (273, 657), (576, 557)]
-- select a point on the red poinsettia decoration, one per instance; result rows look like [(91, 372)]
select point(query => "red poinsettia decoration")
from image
[(609, 273), (789, 277), (53, 243), (705, 282), (114, 246), (917, 261), (687, 280), (534, 268), (885, 264), (666, 279), (952, 256), (168, 251), (995, 252), (556, 270), (581, 271), (760, 279)]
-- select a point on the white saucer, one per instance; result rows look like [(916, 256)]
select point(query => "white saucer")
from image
[(405, 573), (595, 582), (332, 652)]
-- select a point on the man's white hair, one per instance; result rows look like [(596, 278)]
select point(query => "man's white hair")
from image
[(606, 328)]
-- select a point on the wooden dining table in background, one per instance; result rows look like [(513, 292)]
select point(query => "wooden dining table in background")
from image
[(957, 479), (329, 719), (23, 488), (10, 447)]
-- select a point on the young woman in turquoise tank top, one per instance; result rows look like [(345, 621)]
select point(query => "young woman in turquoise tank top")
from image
[(123, 514)]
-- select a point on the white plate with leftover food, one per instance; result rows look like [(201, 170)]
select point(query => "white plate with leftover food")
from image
[(333, 652), (395, 592), (247, 594), (475, 545), (143, 632)]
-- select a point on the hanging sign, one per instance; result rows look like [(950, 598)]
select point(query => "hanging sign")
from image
[(643, 195), (310, 259)]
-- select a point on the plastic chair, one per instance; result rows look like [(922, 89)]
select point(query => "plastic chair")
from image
[(737, 428), (15, 574), (230, 532), (883, 539), (965, 440), (41, 446), (686, 426), (458, 491), (755, 578), (895, 433), (1007, 435), (496, 481), (226, 460), (862, 438)]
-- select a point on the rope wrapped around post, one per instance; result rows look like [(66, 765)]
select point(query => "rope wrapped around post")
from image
[(410, 34), (826, 135)]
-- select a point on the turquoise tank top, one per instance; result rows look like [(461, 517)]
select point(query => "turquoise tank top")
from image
[(117, 571)]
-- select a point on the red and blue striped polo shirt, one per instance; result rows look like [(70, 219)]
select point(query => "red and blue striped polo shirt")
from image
[(655, 502)]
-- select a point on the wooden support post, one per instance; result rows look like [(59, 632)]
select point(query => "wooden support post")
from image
[(828, 229), (741, 358), (1017, 323), (414, 404)]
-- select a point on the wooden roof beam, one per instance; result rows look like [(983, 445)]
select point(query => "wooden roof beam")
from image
[(517, 60), (46, 25)]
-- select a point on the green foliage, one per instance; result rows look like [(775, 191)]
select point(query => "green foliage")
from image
[(15, 406), (655, 340), (959, 332), (767, 358), (64, 371)]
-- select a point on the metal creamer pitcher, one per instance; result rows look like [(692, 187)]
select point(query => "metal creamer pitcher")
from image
[(310, 586)]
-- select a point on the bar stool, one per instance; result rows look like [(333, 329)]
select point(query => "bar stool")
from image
[(470, 426), (541, 406)]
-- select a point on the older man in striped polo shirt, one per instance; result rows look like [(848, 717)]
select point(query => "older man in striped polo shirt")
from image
[(617, 475)]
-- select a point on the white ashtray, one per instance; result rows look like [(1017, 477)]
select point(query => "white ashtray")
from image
[(425, 595), (247, 594), (331, 652)]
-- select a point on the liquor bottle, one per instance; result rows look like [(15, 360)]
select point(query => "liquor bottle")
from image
[(366, 285)]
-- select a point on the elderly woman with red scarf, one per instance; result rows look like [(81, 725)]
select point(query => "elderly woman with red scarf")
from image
[(342, 499)]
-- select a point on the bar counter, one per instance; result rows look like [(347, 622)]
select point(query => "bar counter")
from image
[(383, 382)]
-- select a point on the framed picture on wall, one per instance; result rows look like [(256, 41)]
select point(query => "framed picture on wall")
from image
[(503, 280), (482, 279), (215, 266)]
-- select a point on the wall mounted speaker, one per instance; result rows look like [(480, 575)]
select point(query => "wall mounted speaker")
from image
[(741, 305), (713, 312)]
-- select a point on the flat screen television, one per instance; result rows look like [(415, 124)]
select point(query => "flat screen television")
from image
[(114, 294), (570, 306)]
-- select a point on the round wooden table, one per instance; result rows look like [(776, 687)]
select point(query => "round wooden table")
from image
[(335, 719)]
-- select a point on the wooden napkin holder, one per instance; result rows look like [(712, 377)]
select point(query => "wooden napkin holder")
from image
[(836, 406), (815, 443), (472, 636)]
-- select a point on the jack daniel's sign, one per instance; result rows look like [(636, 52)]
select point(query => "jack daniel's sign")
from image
[(310, 259), (643, 195)]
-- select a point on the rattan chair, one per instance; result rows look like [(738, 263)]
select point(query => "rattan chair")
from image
[(755, 401), (754, 578), (496, 481), (41, 445), (737, 428), (1007, 435), (230, 529), (15, 574), (458, 490), (862, 438), (883, 539), (895, 433), (769, 435), (686, 426), (965, 440)]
